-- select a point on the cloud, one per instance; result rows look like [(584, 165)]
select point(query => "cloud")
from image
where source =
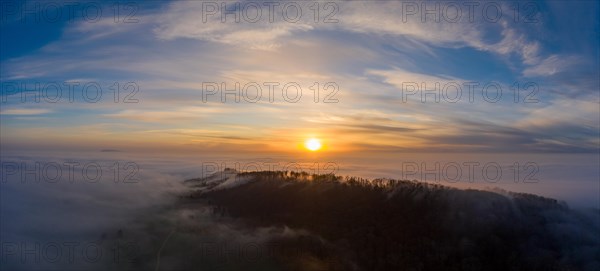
[(25, 111), (369, 53), (400, 77), (44, 211), (389, 19), (167, 116), (188, 20), (552, 65)]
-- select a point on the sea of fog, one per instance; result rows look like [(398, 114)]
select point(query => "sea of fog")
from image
[(55, 207)]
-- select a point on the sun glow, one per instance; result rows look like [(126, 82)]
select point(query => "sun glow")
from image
[(313, 144)]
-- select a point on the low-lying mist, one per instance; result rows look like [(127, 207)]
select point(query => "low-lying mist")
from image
[(140, 214)]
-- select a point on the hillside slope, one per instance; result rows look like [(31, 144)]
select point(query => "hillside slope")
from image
[(405, 225)]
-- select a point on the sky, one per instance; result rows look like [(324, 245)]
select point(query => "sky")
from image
[(390, 76), (164, 91)]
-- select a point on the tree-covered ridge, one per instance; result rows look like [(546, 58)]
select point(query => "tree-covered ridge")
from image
[(386, 224)]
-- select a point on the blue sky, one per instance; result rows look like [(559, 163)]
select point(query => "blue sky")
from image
[(372, 51)]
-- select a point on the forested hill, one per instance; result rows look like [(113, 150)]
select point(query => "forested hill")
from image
[(407, 225)]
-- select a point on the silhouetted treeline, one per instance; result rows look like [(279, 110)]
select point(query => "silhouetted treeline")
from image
[(407, 225)]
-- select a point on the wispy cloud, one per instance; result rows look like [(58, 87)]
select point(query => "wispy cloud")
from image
[(24, 111), (369, 53)]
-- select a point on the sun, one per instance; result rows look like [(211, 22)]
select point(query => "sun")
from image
[(313, 144)]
